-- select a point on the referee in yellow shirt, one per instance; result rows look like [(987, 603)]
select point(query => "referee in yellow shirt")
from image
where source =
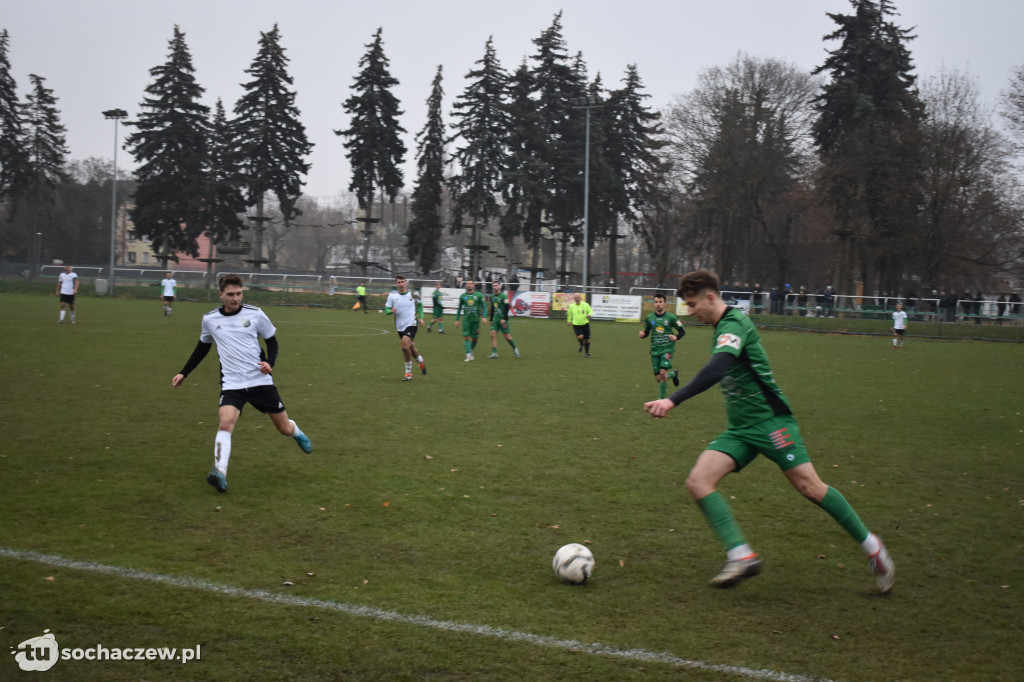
[(578, 315)]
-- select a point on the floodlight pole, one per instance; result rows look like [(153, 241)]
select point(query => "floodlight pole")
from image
[(586, 103), (116, 115)]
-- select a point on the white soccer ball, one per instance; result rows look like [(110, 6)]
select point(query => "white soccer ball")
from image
[(573, 563)]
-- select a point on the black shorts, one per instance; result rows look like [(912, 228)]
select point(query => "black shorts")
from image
[(168, 299), (67, 298), (409, 331), (582, 330), (898, 332), (264, 398)]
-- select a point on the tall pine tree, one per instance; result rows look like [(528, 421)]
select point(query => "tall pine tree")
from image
[(225, 202), (868, 137), (559, 83), (632, 138), (270, 138), (481, 132), (170, 146), (11, 142), (524, 174), (42, 169), (374, 143), (423, 236)]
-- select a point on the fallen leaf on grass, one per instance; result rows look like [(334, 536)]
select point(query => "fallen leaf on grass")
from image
[(622, 563)]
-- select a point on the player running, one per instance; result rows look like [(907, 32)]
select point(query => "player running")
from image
[(759, 422), (438, 313), (499, 320), (664, 329), (472, 303), (244, 372), (408, 312)]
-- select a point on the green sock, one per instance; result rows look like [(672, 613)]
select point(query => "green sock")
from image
[(467, 346), (662, 389), (719, 515), (473, 342), (440, 326), (839, 509), (512, 342)]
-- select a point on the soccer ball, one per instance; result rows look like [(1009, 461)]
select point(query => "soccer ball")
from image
[(573, 563)]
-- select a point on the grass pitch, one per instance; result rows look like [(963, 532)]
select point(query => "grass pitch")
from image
[(443, 499)]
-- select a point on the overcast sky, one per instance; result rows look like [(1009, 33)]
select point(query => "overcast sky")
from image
[(96, 54)]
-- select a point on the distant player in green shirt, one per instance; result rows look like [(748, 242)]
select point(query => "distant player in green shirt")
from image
[(472, 303), (499, 320), (664, 329), (437, 315), (759, 422)]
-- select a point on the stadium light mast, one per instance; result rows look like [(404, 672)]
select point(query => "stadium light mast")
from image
[(586, 103), (116, 115)]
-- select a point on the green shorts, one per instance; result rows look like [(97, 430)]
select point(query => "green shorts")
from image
[(777, 438), (438, 312), (496, 326), (660, 361), (471, 328)]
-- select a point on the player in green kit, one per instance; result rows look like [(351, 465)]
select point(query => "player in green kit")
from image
[(437, 315), (499, 320), (472, 303), (665, 329), (759, 422)]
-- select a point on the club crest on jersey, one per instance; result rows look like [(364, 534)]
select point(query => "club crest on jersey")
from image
[(247, 323), (728, 340)]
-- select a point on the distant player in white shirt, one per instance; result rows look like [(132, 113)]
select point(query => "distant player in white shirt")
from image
[(899, 326), (169, 286), (244, 369), (408, 311), (67, 287)]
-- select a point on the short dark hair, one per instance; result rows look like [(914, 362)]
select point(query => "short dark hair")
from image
[(660, 294), (692, 283), (229, 280), (398, 277)]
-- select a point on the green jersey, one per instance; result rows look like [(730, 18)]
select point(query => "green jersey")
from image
[(749, 388), (499, 307), (472, 304), (657, 328), (438, 304)]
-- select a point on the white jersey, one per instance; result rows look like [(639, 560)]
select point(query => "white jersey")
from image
[(238, 345), (168, 285), (67, 282), (899, 320), (404, 307)]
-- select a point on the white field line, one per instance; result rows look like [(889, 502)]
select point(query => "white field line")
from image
[(635, 655)]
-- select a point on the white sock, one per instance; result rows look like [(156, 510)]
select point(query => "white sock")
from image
[(62, 316), (739, 552), (296, 431), (222, 451), (72, 315), (419, 358), (871, 544), (408, 367), (894, 343)]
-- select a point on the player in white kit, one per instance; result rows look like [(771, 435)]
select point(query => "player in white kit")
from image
[(245, 371), (408, 311)]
